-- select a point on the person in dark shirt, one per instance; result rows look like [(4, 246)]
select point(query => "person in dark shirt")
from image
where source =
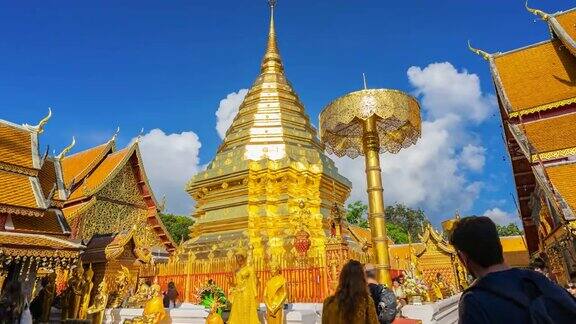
[(384, 299), (501, 294)]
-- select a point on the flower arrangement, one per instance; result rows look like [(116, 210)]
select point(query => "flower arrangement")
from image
[(212, 296)]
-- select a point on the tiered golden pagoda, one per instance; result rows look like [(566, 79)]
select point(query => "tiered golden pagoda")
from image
[(537, 97), (270, 180)]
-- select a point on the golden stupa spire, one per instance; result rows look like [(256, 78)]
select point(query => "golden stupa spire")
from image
[(272, 61)]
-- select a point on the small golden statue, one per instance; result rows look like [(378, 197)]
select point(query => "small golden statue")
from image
[(48, 298), (99, 304), (244, 293), (123, 282), (141, 296), (275, 296), (87, 286), (440, 288), (154, 311), (74, 294), (214, 317)]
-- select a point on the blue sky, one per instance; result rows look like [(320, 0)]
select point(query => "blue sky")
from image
[(167, 65)]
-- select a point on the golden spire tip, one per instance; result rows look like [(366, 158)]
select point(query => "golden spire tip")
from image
[(479, 52), (544, 16)]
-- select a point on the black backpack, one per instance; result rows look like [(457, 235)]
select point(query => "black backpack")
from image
[(537, 299), (386, 308)]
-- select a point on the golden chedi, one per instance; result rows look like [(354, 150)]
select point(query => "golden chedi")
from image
[(268, 163)]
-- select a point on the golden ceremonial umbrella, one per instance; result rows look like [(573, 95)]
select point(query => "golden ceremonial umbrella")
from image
[(369, 122)]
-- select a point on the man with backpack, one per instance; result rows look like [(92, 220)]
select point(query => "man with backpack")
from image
[(501, 294), (384, 298)]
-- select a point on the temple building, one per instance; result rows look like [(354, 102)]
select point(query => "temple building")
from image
[(33, 231), (537, 98), (270, 182), (95, 205)]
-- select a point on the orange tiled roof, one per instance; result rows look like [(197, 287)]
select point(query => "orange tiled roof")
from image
[(563, 178), (79, 164), (568, 22), (552, 134), (47, 177), (42, 242), (15, 146), (48, 223), (16, 190), (399, 253), (99, 176), (524, 73)]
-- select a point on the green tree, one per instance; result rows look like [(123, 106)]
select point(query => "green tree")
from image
[(396, 233), (411, 220), (177, 226), (357, 214), (509, 230)]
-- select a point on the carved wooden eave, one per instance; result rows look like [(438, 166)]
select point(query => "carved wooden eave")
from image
[(121, 241), (430, 235)]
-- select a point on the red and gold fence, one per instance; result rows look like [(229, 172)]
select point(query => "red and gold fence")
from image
[(307, 282)]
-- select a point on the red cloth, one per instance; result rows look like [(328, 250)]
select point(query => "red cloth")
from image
[(406, 321)]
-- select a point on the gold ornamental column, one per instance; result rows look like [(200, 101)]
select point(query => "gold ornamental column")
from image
[(369, 122)]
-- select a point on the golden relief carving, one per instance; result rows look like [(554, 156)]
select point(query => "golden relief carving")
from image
[(119, 207)]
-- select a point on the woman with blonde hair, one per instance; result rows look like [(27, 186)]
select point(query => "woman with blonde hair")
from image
[(352, 303)]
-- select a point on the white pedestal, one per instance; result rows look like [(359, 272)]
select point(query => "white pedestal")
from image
[(443, 311)]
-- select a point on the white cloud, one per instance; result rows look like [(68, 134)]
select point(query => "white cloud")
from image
[(170, 161), (227, 110), (501, 217), (472, 157), (433, 173), (445, 91)]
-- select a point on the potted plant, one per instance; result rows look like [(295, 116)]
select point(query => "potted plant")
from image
[(213, 297)]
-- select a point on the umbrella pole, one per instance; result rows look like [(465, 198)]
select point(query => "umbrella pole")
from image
[(371, 146)]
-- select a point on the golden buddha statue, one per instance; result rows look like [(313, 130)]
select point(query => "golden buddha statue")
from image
[(123, 282), (141, 296), (50, 290), (99, 304), (75, 285), (87, 286), (244, 293), (275, 296), (439, 287), (154, 311)]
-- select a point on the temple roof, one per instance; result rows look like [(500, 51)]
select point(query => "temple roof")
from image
[(105, 171), (16, 189), (551, 135), (563, 179), (76, 166), (520, 76), (23, 244), (16, 146)]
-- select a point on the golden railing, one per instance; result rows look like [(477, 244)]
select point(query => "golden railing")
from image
[(307, 280)]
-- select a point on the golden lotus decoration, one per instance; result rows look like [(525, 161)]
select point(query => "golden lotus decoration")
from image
[(369, 122)]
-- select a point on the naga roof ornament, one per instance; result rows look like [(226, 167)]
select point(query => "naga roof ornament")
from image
[(544, 16), (483, 54), (67, 149), (40, 127)]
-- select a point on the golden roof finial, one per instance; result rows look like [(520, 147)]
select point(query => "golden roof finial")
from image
[(40, 127), (67, 149), (271, 61), (544, 16), (484, 55)]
